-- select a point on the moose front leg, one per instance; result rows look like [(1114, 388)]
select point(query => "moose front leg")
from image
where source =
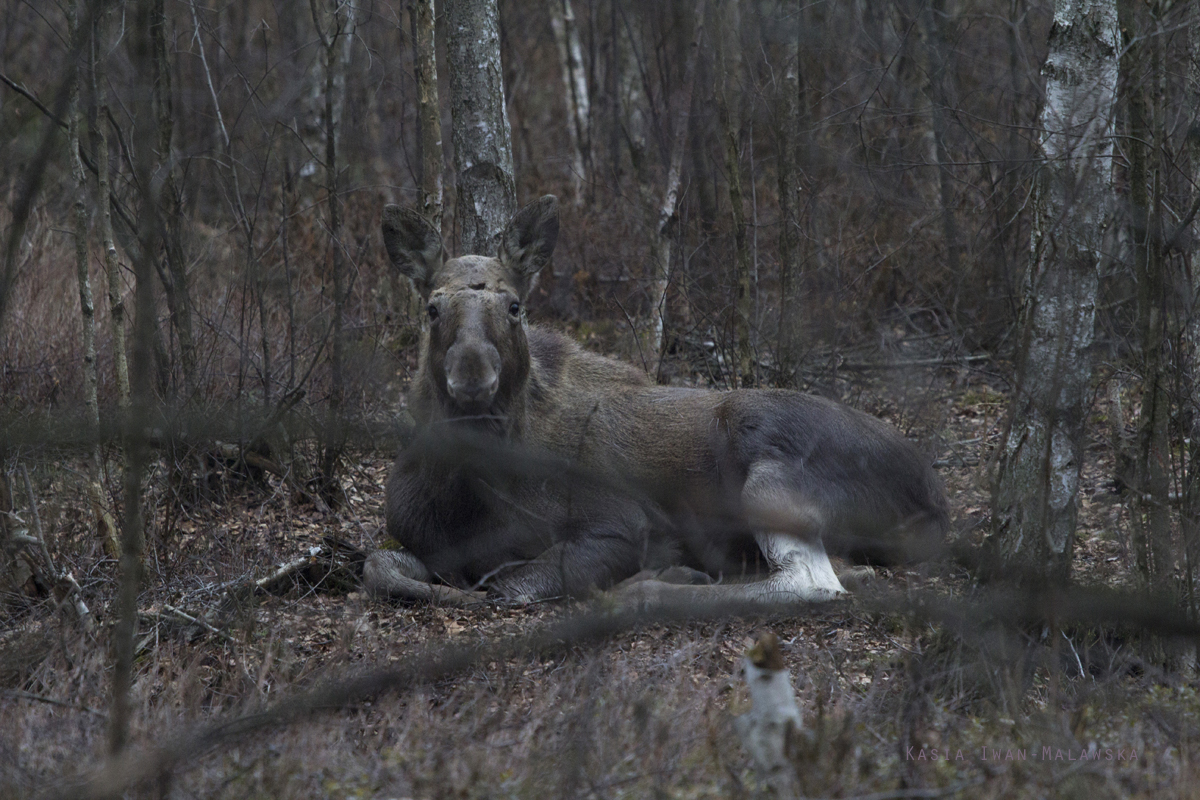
[(787, 527), (401, 575), (594, 552)]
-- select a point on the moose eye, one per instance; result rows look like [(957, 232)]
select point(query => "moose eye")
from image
[(433, 312), (515, 308)]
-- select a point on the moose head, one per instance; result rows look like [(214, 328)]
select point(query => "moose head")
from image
[(475, 360)]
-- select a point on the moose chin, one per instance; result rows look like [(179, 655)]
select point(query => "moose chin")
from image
[(542, 470)]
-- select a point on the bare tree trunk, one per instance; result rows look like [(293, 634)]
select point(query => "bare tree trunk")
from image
[(482, 138), (702, 177), (335, 24), (1037, 480), (150, 225), (570, 56), (631, 98), (428, 113), (430, 157), (116, 300), (1191, 508), (172, 274), (933, 24), (660, 210), (729, 93), (1151, 517), (791, 262), (87, 308), (614, 102)]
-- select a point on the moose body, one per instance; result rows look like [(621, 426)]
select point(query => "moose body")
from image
[(583, 473)]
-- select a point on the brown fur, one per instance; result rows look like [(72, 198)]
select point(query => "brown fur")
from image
[(603, 468)]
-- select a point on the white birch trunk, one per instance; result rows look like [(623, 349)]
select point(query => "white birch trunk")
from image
[(1034, 496), (660, 210), (482, 137), (774, 721), (570, 56)]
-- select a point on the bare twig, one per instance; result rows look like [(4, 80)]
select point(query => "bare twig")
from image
[(64, 583), (37, 524), (37, 698), (180, 614), (31, 97)]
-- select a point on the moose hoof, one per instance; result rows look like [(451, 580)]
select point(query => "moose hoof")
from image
[(685, 576), (856, 579), (642, 592)]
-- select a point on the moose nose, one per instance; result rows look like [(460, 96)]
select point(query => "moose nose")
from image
[(472, 372), (473, 392)]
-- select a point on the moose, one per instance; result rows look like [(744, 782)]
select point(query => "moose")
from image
[(542, 470)]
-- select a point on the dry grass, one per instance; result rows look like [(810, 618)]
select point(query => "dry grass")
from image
[(645, 712)]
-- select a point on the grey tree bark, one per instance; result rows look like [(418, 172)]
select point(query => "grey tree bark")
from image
[(482, 138), (144, 53), (87, 308), (1041, 455), (933, 25), (335, 22), (791, 257), (421, 14), (729, 107), (76, 123), (659, 209), (575, 93), (99, 134), (1191, 513), (172, 269), (1141, 65)]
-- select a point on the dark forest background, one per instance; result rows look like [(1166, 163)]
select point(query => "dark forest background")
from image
[(916, 150), (839, 197)]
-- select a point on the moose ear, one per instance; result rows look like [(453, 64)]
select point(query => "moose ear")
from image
[(413, 245), (528, 242)]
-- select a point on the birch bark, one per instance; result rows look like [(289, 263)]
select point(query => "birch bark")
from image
[(1039, 463), (661, 209), (575, 92), (482, 138), (1191, 515)]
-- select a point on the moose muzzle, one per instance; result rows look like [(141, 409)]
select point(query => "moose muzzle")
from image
[(472, 373)]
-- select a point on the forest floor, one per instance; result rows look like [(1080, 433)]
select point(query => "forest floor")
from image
[(897, 706)]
